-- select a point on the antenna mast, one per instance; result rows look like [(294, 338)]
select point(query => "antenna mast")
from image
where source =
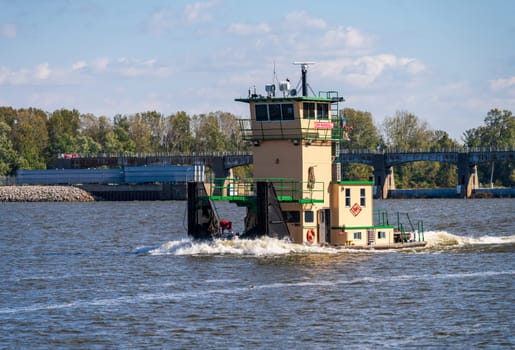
[(304, 69)]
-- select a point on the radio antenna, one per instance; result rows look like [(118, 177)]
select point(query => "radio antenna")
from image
[(304, 70)]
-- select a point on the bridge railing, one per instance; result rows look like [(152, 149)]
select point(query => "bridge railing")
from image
[(427, 150), (158, 154)]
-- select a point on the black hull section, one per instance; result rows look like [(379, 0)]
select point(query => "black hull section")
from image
[(202, 218), (264, 216), (269, 217)]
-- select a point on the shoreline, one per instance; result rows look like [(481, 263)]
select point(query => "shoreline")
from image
[(63, 193), (44, 194)]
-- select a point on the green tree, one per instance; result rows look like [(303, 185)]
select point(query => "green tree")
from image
[(122, 140), (8, 158), (29, 136), (230, 127), (208, 136), (154, 122), (406, 132), (145, 129), (498, 131), (178, 137), (446, 172), (86, 145), (362, 134), (63, 130)]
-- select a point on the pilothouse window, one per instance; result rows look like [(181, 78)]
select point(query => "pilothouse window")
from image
[(309, 110), (261, 112), (274, 112), (287, 109), (322, 111)]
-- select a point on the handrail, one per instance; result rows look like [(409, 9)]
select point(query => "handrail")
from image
[(287, 190)]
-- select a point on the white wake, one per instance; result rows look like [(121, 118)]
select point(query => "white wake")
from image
[(267, 246)]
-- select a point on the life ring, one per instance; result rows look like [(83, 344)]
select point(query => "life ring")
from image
[(310, 236)]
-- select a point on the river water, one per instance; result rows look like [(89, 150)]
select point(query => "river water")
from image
[(125, 275)]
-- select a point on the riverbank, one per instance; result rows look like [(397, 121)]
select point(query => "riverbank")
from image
[(44, 194)]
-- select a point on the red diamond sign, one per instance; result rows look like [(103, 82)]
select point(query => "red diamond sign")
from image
[(356, 209)]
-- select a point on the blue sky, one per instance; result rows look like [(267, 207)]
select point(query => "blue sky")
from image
[(448, 62)]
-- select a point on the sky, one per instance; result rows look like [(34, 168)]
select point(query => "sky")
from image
[(448, 62)]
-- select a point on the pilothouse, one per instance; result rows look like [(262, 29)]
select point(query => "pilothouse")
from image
[(296, 191)]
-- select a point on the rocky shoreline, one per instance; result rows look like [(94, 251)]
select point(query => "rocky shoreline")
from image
[(44, 194)]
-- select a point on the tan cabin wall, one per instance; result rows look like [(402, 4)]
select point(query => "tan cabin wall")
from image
[(318, 157), (342, 213), (348, 218), (277, 157)]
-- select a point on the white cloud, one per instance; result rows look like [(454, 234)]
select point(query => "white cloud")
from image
[(42, 71), (363, 71), (122, 67), (131, 68), (301, 18), (348, 37), (25, 76), (161, 21), (500, 84), (79, 65), (198, 12), (166, 19), (8, 31), (100, 64), (249, 29)]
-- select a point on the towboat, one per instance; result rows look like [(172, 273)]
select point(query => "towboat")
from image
[(296, 192)]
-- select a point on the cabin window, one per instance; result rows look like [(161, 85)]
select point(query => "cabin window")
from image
[(347, 197), (275, 111), (322, 111), (309, 110), (381, 235), (291, 216), (287, 109), (261, 112), (357, 235), (362, 197), (309, 216)]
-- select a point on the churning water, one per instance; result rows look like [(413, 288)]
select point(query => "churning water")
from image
[(125, 275)]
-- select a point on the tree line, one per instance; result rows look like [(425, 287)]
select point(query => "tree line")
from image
[(32, 138)]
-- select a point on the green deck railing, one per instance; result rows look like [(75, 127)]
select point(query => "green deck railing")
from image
[(330, 129), (382, 219), (287, 190)]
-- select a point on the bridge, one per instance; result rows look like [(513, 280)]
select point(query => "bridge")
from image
[(219, 162), (465, 159), (382, 161)]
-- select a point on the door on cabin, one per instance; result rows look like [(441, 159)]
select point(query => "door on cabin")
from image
[(324, 225)]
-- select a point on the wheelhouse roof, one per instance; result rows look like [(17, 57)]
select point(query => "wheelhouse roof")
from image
[(264, 99)]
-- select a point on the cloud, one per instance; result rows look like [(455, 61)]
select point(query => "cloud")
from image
[(79, 65), (100, 64), (132, 68), (198, 12), (8, 31), (121, 67), (25, 76), (249, 29), (347, 37), (42, 71), (362, 71), (301, 17), (161, 21), (166, 19), (501, 84)]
